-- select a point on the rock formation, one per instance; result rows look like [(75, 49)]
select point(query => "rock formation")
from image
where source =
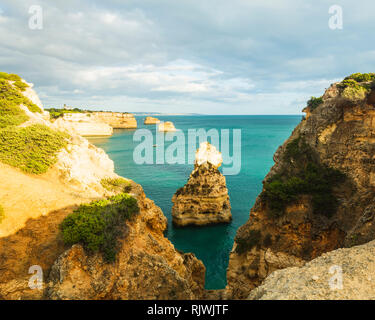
[(117, 120), (148, 265), (83, 124), (166, 126), (151, 120), (319, 195), (342, 274), (204, 199)]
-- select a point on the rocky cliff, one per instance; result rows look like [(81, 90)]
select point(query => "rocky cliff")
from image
[(319, 195), (84, 124), (147, 265), (117, 120), (204, 199), (34, 206), (342, 274)]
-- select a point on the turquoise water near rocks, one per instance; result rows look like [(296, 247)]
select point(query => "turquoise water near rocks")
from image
[(261, 136)]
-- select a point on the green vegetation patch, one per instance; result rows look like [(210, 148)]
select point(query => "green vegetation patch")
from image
[(314, 102), (99, 225), (17, 81), (14, 96), (33, 149), (310, 178), (57, 113), (11, 114), (357, 86), (116, 184)]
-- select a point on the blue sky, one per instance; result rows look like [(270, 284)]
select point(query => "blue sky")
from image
[(186, 56)]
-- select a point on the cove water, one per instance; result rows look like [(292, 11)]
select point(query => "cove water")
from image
[(261, 135)]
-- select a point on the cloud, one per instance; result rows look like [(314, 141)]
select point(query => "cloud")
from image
[(238, 57)]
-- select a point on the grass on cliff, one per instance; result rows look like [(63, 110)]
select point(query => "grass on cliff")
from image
[(99, 225), (33, 149), (17, 81), (357, 86), (314, 102), (310, 178), (57, 113), (10, 100), (116, 184)]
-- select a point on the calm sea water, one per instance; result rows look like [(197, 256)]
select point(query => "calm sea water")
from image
[(261, 135)]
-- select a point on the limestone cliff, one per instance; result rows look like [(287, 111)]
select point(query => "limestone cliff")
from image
[(342, 274), (319, 195), (147, 266), (84, 124), (151, 120), (35, 205), (204, 199), (117, 120)]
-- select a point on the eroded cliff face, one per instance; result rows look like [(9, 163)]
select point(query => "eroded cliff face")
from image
[(324, 209), (116, 120), (204, 199), (84, 124), (147, 265)]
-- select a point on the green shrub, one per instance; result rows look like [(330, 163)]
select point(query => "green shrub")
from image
[(361, 77), (33, 149), (15, 97), (116, 184), (99, 225), (11, 114), (311, 178), (57, 113), (16, 78), (314, 102), (251, 240)]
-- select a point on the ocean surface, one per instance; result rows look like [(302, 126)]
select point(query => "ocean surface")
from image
[(261, 136)]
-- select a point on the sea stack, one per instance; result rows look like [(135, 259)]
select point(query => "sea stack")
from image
[(166, 126), (204, 199), (151, 120)]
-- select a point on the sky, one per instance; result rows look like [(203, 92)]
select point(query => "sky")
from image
[(185, 56)]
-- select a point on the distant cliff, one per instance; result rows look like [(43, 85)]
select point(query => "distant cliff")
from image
[(96, 123), (319, 195)]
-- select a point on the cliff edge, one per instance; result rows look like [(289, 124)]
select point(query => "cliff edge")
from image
[(319, 195)]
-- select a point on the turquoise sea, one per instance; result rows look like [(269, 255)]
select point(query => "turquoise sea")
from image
[(261, 135)]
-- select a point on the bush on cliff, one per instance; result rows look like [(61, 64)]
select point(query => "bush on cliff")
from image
[(99, 225), (57, 113), (314, 102), (16, 79), (311, 178), (13, 96), (116, 184), (33, 149)]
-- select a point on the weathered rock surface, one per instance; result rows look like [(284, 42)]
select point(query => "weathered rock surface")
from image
[(204, 199), (147, 266), (35, 205), (166, 126), (151, 120), (341, 134), (83, 124), (117, 120), (341, 274)]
